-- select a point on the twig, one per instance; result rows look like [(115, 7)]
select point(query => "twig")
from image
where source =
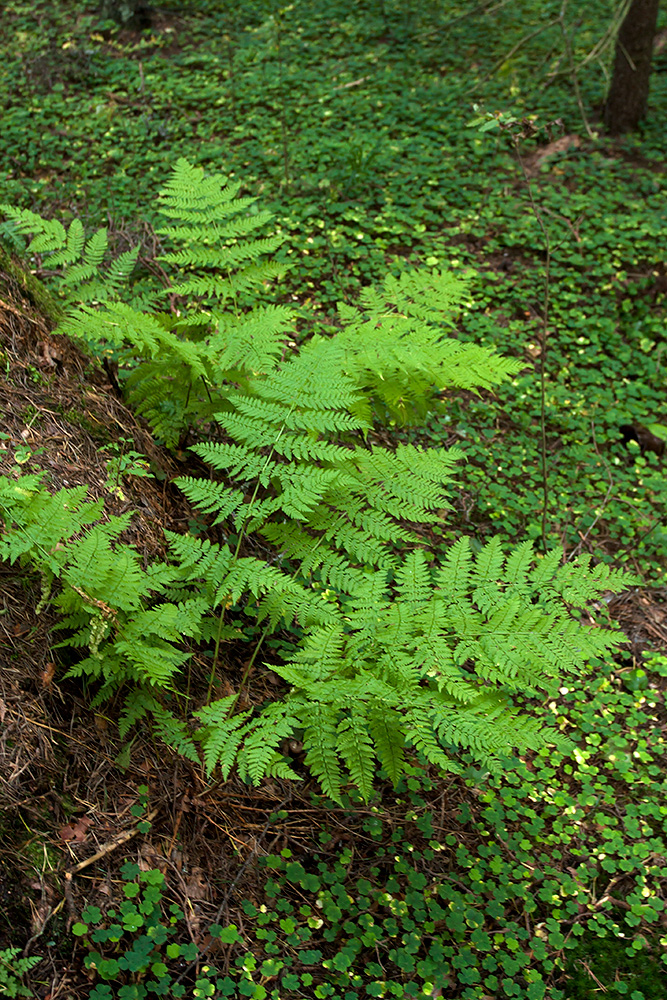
[(111, 845), (573, 69), (545, 335), (17, 312)]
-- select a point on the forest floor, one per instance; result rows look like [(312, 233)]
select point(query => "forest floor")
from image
[(73, 797), (350, 122)]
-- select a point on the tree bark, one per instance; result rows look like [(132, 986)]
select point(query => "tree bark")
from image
[(628, 93)]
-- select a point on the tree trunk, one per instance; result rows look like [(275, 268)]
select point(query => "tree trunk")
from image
[(628, 94)]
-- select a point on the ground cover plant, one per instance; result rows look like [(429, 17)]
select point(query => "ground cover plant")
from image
[(361, 148), (512, 885)]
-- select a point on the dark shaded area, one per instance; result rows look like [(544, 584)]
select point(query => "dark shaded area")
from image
[(136, 14)]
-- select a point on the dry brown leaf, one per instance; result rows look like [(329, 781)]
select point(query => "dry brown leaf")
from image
[(76, 831), (47, 674)]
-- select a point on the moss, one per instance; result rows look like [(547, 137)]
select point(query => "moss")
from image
[(98, 431), (13, 272), (598, 965)]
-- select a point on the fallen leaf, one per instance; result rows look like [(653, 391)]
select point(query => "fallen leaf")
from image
[(195, 886), (50, 355), (77, 830), (48, 673)]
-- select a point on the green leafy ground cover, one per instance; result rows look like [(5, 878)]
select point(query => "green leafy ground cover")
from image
[(350, 121), (542, 883)]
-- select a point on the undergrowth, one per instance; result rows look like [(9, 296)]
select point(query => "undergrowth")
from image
[(359, 146), (544, 882), (390, 649), (361, 150)]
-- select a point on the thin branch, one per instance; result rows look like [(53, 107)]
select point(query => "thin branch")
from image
[(515, 48), (545, 335)]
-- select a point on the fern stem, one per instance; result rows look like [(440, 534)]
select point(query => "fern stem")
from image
[(248, 668), (218, 639), (216, 654)]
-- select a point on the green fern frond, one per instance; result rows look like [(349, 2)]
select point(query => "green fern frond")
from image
[(137, 706), (309, 608), (453, 575), (37, 521), (221, 258), (419, 731), (220, 735), (258, 754), (74, 248), (253, 342), (322, 652), (386, 730), (172, 621), (146, 660), (237, 461), (174, 733), (211, 497), (518, 565), (314, 556), (488, 565), (106, 572), (221, 289), (321, 738), (49, 234), (355, 747), (578, 583), (546, 568), (413, 579)]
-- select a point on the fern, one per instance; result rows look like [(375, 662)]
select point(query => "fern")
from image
[(221, 735), (391, 653)]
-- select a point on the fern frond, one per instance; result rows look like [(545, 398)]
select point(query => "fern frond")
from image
[(413, 579), (37, 521), (355, 747), (105, 572), (240, 463), (258, 754), (253, 342), (137, 706), (146, 660), (418, 728), (220, 735), (218, 288), (211, 497), (452, 576), (518, 565), (314, 556), (321, 738), (50, 235), (385, 727), (174, 733)]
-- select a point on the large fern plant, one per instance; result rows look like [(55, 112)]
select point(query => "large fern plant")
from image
[(391, 652)]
